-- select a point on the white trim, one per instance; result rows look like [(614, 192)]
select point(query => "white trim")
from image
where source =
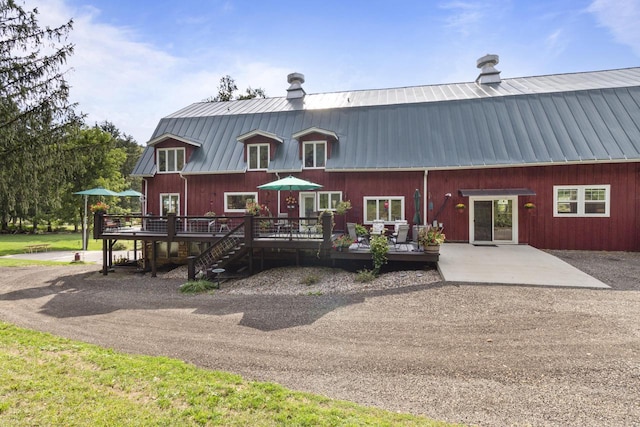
[(328, 193), (166, 136), (581, 202), (167, 150), (386, 221), (170, 195), (514, 219), (257, 146), (314, 129), (258, 132), (237, 193), (314, 143)]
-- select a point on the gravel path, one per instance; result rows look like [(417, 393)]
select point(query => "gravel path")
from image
[(476, 354)]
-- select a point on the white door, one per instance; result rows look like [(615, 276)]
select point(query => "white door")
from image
[(307, 209)]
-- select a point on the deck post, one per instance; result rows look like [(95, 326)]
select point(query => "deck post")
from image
[(248, 238), (191, 268), (105, 267), (171, 226), (154, 258)]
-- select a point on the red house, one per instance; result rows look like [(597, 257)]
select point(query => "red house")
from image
[(552, 161)]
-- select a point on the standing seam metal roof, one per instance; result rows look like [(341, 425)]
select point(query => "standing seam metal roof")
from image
[(547, 119)]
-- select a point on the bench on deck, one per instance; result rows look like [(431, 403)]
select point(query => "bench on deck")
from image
[(38, 247)]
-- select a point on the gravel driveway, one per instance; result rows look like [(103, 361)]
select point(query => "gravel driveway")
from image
[(475, 354)]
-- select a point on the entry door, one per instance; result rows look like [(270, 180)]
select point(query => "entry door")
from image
[(483, 220), (494, 220), (307, 208)]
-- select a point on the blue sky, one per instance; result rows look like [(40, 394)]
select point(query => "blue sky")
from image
[(137, 61)]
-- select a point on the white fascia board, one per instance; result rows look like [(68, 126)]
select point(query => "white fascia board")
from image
[(314, 129), (258, 132), (166, 136)]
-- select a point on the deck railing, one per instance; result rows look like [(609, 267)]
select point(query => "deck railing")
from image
[(172, 227)]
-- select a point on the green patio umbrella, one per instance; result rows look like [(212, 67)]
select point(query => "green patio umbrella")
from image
[(130, 193), (290, 183), (97, 191)]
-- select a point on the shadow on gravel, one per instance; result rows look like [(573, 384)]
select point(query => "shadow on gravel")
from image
[(79, 296)]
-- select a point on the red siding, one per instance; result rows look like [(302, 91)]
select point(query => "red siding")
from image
[(539, 227)]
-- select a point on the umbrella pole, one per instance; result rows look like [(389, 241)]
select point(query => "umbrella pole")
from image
[(84, 224)]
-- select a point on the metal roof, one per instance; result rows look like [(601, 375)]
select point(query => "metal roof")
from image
[(534, 120)]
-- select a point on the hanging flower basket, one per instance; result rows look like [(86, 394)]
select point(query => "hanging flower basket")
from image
[(460, 207), (529, 205)]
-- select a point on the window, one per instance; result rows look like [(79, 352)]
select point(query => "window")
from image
[(581, 200), (237, 202), (170, 160), (315, 154), (328, 200), (169, 203), (258, 156), (387, 209)]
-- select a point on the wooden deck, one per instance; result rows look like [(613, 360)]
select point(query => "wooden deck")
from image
[(296, 239)]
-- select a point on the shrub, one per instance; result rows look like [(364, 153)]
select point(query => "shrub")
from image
[(379, 248), (310, 279), (365, 276), (197, 286)]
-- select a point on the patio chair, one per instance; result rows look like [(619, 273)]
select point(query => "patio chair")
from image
[(400, 238), (283, 222), (359, 240), (211, 226), (378, 227)]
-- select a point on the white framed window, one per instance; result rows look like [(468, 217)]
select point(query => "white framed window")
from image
[(170, 160), (169, 203), (258, 156), (388, 209), (581, 200), (237, 202), (314, 154), (327, 200)]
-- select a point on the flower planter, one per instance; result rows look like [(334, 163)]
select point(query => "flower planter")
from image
[(432, 249)]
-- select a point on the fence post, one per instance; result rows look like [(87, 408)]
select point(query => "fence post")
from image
[(191, 268), (171, 226)]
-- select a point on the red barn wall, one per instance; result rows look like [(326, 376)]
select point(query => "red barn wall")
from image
[(539, 227)]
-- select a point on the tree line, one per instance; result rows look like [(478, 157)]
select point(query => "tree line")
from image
[(47, 152)]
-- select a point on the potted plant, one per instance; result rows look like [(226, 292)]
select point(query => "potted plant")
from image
[(341, 242), (291, 202), (461, 207), (361, 230), (431, 238), (99, 207), (529, 205), (343, 207)]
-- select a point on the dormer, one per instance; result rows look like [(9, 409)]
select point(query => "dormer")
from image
[(315, 146), (259, 148), (172, 152)]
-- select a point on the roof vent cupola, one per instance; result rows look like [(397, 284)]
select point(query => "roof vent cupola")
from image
[(488, 73), (295, 90)]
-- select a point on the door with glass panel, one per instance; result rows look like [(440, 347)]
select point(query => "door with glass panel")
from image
[(494, 220)]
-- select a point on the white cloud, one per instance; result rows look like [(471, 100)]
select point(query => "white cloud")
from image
[(621, 17)]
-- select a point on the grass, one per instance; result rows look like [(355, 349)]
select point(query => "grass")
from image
[(16, 243), (46, 380), (197, 286)]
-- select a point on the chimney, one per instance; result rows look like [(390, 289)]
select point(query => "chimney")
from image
[(295, 90), (488, 73)]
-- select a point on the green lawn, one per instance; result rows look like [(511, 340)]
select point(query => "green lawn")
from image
[(46, 380), (17, 243)]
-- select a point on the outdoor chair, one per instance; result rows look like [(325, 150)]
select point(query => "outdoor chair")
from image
[(211, 226), (400, 238), (359, 240), (283, 222), (378, 227)]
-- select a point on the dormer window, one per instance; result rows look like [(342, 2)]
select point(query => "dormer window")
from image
[(170, 160), (258, 156), (314, 146), (315, 154)]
